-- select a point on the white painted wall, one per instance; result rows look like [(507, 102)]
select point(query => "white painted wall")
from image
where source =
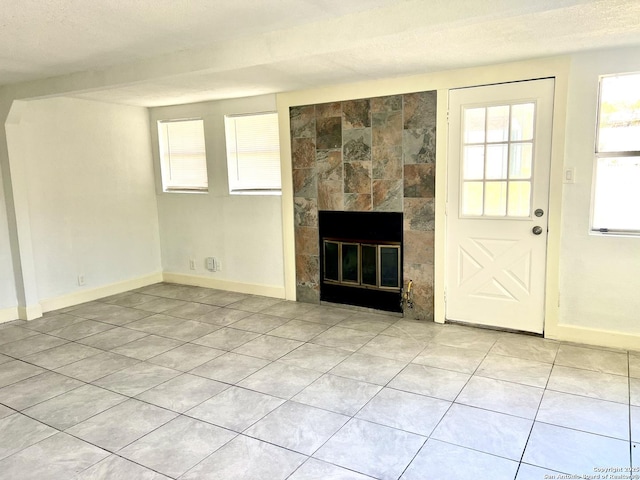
[(596, 277), (599, 275), (243, 231), (7, 281), (91, 195)]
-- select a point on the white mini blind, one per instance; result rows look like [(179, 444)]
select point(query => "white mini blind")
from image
[(182, 155), (253, 152)]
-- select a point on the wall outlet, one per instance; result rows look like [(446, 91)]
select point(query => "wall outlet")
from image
[(192, 264), (81, 279), (218, 265), (211, 264)]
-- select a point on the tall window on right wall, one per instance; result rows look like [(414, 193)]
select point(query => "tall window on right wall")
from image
[(616, 194)]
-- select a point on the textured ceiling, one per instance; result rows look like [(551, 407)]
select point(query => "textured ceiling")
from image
[(160, 52)]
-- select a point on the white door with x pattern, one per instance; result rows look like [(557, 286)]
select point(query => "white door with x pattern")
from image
[(497, 204)]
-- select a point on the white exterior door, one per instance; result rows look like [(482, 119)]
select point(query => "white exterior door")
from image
[(497, 202)]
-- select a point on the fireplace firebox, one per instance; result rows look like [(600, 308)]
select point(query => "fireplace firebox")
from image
[(361, 259)]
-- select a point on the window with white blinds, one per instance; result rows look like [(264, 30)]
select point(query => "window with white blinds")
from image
[(183, 157), (253, 153)]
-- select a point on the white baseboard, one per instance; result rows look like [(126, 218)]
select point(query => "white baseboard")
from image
[(594, 336), (89, 295), (9, 314), (250, 288)]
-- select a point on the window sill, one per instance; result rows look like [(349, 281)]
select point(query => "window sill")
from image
[(614, 233), (256, 192), (186, 190)]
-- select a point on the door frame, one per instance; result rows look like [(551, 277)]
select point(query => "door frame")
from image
[(527, 313), (560, 74)]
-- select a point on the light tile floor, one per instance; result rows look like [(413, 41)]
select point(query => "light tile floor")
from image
[(171, 381)]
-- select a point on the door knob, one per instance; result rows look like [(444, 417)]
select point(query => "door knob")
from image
[(539, 212), (537, 230)]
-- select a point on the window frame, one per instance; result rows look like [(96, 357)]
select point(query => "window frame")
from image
[(165, 161), (603, 155), (251, 190), (508, 180)]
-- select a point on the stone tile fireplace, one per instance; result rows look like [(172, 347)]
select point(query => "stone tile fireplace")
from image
[(366, 155)]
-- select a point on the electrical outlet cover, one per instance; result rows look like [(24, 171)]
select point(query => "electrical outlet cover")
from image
[(211, 264)]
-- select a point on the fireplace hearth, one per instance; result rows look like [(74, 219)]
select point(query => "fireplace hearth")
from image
[(361, 259)]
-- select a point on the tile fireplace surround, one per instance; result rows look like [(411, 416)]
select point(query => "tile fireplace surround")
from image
[(375, 154)]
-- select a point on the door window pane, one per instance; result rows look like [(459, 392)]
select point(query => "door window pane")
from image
[(472, 198), (519, 199), (474, 125), (495, 199), (498, 123), (522, 121), (473, 165), (520, 158), (497, 157)]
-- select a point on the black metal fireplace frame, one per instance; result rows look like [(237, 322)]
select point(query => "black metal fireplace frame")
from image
[(361, 227)]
